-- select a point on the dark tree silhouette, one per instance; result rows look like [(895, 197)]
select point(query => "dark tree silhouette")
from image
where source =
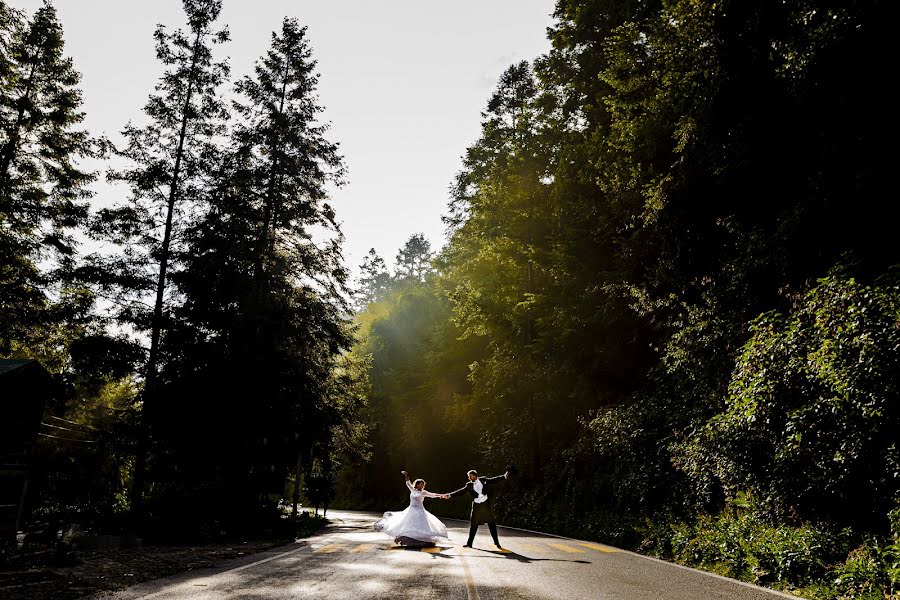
[(169, 160), (43, 189)]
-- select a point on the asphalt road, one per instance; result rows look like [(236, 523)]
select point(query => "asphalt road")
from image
[(350, 560)]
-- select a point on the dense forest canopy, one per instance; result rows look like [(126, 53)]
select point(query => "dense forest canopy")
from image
[(668, 294)]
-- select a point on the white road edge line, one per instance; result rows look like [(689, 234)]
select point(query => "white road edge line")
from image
[(235, 569), (659, 560)]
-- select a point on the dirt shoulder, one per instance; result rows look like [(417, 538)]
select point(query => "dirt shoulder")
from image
[(108, 570), (85, 573)]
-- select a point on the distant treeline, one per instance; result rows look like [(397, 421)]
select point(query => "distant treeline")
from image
[(668, 295)]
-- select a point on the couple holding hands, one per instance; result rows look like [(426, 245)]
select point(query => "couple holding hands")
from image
[(415, 526)]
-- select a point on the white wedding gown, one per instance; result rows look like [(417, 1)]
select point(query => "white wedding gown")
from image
[(415, 522)]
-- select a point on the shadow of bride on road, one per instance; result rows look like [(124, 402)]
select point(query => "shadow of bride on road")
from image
[(443, 552), (434, 551)]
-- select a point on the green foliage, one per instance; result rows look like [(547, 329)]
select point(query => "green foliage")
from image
[(413, 260), (869, 572), (638, 197), (225, 256), (44, 313), (85, 480), (746, 547), (254, 370), (810, 422), (416, 369), (374, 282), (166, 163), (630, 303), (43, 187)]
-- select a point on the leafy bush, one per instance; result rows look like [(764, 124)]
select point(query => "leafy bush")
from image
[(809, 425), (873, 569), (860, 576), (813, 561), (744, 546)]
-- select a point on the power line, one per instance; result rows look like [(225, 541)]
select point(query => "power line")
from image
[(63, 428), (67, 439), (72, 422)]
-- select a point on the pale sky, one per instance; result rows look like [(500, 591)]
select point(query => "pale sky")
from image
[(403, 84)]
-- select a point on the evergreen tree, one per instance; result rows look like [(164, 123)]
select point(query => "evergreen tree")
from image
[(263, 316), (43, 190), (374, 282), (168, 161), (413, 262), (494, 264), (11, 21), (41, 187), (289, 161)]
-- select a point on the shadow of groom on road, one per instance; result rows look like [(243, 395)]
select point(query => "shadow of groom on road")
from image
[(509, 554)]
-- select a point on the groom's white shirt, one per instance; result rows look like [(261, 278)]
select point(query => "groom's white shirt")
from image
[(478, 486)]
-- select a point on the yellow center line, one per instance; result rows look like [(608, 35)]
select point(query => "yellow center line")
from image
[(432, 549), (328, 549), (363, 548), (531, 547), (565, 548), (597, 547), (471, 590)]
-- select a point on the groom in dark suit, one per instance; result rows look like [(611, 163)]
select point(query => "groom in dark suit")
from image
[(480, 488)]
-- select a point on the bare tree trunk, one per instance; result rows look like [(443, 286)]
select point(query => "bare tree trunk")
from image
[(12, 144), (297, 471), (532, 409), (268, 217)]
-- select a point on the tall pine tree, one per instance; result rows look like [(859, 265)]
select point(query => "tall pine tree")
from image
[(263, 317), (374, 281), (43, 188), (414, 259), (168, 161)]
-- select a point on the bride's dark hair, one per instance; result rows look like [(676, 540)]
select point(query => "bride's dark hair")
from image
[(417, 482)]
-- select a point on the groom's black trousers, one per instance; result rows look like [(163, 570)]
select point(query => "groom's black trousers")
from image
[(473, 527)]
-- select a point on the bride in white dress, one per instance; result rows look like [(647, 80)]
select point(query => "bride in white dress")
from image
[(415, 525)]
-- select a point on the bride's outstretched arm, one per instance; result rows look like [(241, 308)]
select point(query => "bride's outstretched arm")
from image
[(432, 494), (408, 484)]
